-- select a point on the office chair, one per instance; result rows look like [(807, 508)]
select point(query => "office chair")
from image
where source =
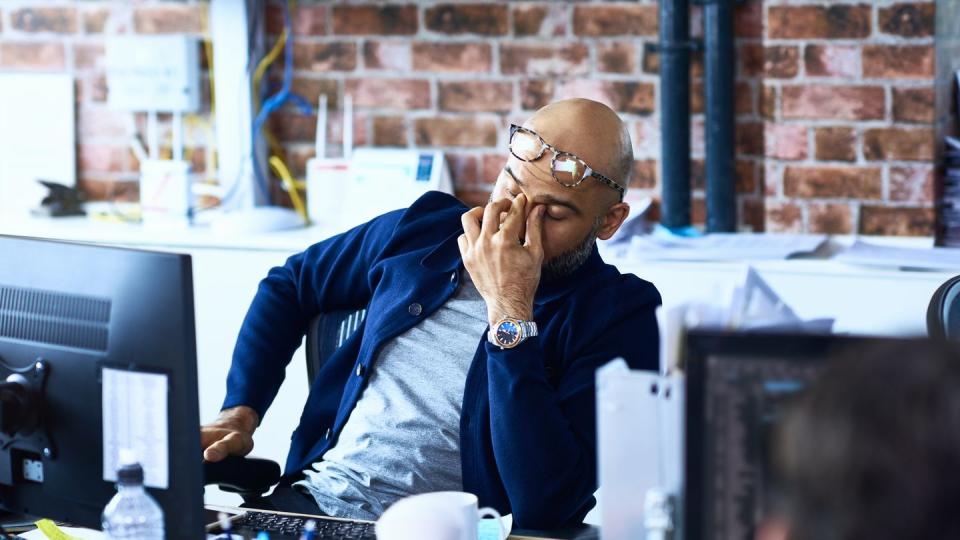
[(943, 313), (252, 477)]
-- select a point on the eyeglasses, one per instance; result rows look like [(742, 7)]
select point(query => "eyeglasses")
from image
[(568, 169)]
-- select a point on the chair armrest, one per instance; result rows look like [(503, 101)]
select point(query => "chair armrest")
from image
[(249, 477)]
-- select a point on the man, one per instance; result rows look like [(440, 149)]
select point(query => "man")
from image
[(424, 398), (872, 450)]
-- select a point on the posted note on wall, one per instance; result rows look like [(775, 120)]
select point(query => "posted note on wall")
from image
[(135, 418)]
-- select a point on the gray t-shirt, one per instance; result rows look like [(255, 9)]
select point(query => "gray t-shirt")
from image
[(403, 435)]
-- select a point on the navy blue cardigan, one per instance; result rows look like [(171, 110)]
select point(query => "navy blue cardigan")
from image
[(528, 425)]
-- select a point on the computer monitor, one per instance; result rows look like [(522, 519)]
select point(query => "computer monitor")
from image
[(97, 350), (738, 385)]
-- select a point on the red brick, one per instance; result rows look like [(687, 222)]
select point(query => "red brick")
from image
[(616, 57), (697, 97), (88, 89), (88, 55), (95, 20), (390, 93), (751, 59), (644, 174), (783, 217), (832, 182), (389, 131), (329, 56), (387, 55), (749, 139), (835, 144), (375, 20), (914, 144), (746, 180), (535, 94), (293, 127), (615, 20), (913, 105), (912, 184), (628, 97), (772, 178), (748, 19), (465, 132), (830, 219), (103, 158), (101, 189), (463, 170), (170, 19), (491, 166), (831, 22), (543, 20), (306, 20), (32, 55), (907, 19), (752, 215), (483, 19), (544, 60), (476, 96), (102, 122), (768, 101), (646, 140), (832, 60), (744, 99), (833, 102), (58, 20), (781, 62), (897, 221), (786, 141), (452, 57), (311, 89), (898, 61)]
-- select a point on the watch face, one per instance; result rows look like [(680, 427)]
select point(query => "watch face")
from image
[(508, 333)]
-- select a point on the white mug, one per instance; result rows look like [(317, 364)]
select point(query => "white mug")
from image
[(442, 515)]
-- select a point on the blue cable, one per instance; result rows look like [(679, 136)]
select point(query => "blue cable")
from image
[(274, 102)]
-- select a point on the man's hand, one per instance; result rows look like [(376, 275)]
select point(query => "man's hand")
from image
[(231, 434), (504, 260)]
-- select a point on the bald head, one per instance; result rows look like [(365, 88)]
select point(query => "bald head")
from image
[(592, 131)]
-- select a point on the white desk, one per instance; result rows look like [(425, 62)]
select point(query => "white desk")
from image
[(228, 269)]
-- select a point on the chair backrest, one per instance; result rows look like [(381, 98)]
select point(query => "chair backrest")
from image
[(326, 333), (943, 313)]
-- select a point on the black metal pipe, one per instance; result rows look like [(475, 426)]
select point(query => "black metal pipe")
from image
[(719, 65), (675, 112)]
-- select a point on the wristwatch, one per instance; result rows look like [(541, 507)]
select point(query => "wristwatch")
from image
[(508, 332)]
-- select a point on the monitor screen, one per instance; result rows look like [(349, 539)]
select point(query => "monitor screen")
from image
[(738, 387), (97, 354)]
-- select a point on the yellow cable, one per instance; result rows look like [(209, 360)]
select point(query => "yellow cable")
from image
[(277, 164), (264, 64)]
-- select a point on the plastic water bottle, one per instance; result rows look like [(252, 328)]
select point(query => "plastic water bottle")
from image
[(132, 512)]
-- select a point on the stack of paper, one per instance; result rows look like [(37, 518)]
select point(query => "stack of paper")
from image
[(723, 247), (937, 258)]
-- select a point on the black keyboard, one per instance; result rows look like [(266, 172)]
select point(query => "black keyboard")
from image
[(284, 526)]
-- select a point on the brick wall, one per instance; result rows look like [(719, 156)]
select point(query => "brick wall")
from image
[(51, 35), (834, 97)]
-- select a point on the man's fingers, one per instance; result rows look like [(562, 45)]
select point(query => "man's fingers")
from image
[(512, 226), (471, 222), (534, 236), (234, 444), (491, 216)]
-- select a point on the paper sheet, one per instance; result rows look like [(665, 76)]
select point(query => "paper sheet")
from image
[(724, 246), (37, 138), (135, 418), (937, 258)]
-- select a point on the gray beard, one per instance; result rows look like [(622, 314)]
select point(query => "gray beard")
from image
[(569, 261)]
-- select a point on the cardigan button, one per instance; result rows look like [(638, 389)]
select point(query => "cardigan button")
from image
[(360, 370), (415, 309), (453, 277), (327, 434)]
